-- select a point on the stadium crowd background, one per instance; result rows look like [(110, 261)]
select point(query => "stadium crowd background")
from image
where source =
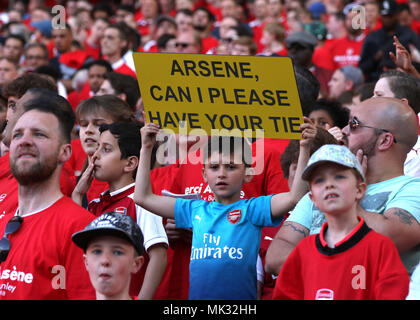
[(344, 46)]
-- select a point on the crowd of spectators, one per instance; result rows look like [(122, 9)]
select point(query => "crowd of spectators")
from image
[(343, 52)]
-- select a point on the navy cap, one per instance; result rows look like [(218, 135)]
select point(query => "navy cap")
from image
[(113, 224)]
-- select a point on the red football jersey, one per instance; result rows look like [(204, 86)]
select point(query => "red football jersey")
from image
[(78, 157), (43, 262), (121, 67), (8, 187), (365, 265)]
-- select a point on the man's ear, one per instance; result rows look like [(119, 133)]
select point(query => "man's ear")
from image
[(349, 85), (385, 141), (65, 153), (132, 163)]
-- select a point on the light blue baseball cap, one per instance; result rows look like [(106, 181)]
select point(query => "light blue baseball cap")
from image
[(333, 153)]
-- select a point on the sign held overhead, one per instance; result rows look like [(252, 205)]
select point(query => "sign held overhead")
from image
[(220, 95)]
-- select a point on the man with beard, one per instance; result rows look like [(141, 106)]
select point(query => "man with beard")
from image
[(38, 259), (15, 93), (346, 50), (203, 23), (381, 131), (374, 57)]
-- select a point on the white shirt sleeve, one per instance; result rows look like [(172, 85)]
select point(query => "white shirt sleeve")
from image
[(152, 228), (260, 270)]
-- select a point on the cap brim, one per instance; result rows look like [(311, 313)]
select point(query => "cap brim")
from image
[(309, 170), (306, 174), (84, 237)]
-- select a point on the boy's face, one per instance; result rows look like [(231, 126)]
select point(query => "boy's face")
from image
[(89, 130), (225, 177), (335, 188), (107, 159), (321, 118), (110, 262)]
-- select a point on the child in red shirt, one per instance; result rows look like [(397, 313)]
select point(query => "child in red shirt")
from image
[(91, 113), (113, 252), (346, 260), (116, 162)]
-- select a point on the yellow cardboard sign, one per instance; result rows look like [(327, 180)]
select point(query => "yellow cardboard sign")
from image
[(220, 95)]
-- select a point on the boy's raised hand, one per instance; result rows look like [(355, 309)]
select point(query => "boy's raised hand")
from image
[(335, 132), (83, 185), (148, 134), (308, 129), (362, 159)]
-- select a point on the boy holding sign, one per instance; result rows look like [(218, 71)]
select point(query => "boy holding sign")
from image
[(226, 232)]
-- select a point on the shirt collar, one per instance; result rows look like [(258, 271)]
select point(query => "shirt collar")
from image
[(344, 244), (120, 192)]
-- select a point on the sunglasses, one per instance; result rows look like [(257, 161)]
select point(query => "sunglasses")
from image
[(184, 45), (228, 40), (11, 227), (355, 123)]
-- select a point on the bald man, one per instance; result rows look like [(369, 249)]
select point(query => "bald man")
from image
[(381, 131)]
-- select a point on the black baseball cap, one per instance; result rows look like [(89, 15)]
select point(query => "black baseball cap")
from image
[(112, 224), (388, 7)]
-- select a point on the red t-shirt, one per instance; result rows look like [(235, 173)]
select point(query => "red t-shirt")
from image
[(43, 262), (124, 69), (415, 26), (322, 56), (267, 236), (209, 43), (187, 179), (96, 188), (75, 97), (78, 157), (365, 265), (344, 51), (8, 187), (94, 52)]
